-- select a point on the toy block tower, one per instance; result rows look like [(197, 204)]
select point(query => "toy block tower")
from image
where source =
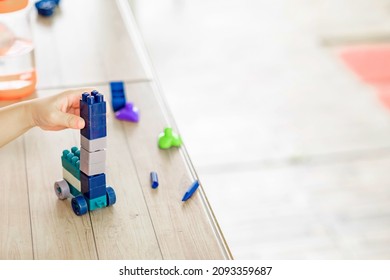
[(93, 150), (84, 170)]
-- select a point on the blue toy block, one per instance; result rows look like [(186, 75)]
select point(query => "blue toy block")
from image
[(95, 192), (94, 132), (91, 182), (117, 86), (71, 161), (118, 103), (93, 111), (96, 203), (118, 97)]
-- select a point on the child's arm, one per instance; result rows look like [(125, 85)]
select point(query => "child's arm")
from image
[(51, 113)]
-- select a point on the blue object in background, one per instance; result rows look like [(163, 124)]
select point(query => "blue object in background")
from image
[(46, 7), (154, 179), (191, 190), (118, 97)]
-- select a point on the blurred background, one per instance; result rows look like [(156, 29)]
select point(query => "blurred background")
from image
[(290, 142)]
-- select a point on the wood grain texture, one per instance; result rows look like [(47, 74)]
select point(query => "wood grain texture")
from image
[(144, 223), (124, 231), (184, 230), (57, 232), (15, 230), (84, 45)]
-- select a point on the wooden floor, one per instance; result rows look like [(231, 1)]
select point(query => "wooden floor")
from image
[(293, 149), (145, 223)]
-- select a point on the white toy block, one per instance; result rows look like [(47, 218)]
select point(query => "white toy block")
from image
[(93, 157), (71, 179), (93, 145), (92, 169)]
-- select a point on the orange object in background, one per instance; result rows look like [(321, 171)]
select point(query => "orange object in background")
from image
[(17, 66), (9, 6), (17, 85), (372, 64)]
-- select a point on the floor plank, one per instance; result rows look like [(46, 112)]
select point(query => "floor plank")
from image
[(124, 231), (57, 232), (15, 233), (184, 224), (87, 45)]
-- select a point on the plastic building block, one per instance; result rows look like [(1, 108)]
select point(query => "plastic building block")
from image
[(71, 161), (111, 196), (154, 179), (93, 157), (46, 7), (93, 111), (95, 192), (117, 86), (191, 190), (128, 113), (84, 169), (96, 203), (79, 205), (72, 180), (118, 97), (90, 182), (73, 191), (62, 189), (93, 145), (94, 131), (168, 139), (93, 168)]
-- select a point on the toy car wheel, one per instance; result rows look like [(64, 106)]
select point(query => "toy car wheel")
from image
[(111, 197), (62, 189), (79, 205)]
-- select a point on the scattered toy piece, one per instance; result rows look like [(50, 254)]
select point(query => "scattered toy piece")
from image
[(46, 7), (128, 113), (118, 97), (154, 179), (191, 190), (169, 139)]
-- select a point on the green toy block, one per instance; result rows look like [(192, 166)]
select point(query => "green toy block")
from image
[(71, 161), (168, 139), (75, 192), (96, 203)]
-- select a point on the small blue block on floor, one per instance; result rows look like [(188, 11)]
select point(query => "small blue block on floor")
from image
[(118, 97), (154, 179)]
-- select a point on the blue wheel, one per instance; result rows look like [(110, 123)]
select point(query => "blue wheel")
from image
[(79, 205), (111, 197)]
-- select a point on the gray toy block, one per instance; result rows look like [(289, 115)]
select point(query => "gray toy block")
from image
[(93, 145), (92, 157), (93, 169)]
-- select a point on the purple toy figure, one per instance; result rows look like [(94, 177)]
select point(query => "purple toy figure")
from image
[(128, 113)]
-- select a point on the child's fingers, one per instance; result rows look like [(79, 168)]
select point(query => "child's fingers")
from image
[(68, 120), (73, 96)]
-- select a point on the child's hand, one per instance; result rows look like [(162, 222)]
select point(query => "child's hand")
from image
[(59, 111)]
